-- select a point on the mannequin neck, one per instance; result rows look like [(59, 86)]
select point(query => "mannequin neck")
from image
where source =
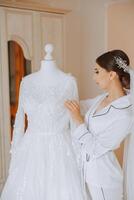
[(48, 66), (49, 72)]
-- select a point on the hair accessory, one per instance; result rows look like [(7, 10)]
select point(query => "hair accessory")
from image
[(121, 64)]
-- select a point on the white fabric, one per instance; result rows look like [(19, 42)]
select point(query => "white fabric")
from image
[(129, 150), (43, 165), (100, 193), (86, 104), (102, 133)]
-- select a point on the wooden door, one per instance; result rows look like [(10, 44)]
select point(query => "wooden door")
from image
[(18, 68)]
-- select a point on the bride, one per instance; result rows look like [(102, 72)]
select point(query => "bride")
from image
[(108, 121)]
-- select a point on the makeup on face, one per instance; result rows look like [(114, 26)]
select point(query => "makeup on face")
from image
[(96, 71)]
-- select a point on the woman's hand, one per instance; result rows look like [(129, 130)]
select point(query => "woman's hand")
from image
[(74, 110)]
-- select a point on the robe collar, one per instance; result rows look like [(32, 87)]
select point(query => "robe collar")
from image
[(120, 103)]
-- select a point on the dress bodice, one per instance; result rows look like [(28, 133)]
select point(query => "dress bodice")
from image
[(43, 104)]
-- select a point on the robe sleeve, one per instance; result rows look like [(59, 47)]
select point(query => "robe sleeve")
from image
[(97, 145), (19, 124)]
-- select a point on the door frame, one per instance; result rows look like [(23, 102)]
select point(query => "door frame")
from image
[(4, 101)]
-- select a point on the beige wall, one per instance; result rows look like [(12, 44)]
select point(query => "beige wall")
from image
[(92, 30), (85, 30), (121, 28), (86, 36), (93, 42), (72, 34), (72, 45)]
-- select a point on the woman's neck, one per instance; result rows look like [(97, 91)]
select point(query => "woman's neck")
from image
[(116, 91)]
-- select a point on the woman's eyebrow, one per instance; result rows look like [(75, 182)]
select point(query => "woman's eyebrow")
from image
[(95, 69)]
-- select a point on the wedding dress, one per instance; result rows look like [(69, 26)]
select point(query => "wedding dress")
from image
[(43, 164)]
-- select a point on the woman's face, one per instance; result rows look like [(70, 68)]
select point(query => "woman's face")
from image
[(101, 77)]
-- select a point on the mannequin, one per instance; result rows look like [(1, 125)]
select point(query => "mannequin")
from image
[(43, 165), (49, 66), (49, 71)]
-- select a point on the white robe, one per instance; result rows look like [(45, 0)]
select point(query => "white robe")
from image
[(99, 136)]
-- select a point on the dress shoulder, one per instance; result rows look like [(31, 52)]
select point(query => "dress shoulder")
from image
[(30, 77)]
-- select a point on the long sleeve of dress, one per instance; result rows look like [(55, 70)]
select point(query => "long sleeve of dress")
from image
[(74, 96), (72, 123), (19, 124), (110, 139)]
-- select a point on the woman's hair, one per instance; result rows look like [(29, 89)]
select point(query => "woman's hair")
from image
[(108, 62)]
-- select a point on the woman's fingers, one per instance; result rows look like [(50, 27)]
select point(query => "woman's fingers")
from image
[(73, 105), (74, 109), (69, 105)]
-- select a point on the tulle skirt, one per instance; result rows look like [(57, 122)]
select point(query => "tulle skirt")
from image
[(43, 167)]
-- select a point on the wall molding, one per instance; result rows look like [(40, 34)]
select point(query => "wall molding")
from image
[(4, 100), (42, 7), (23, 45)]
